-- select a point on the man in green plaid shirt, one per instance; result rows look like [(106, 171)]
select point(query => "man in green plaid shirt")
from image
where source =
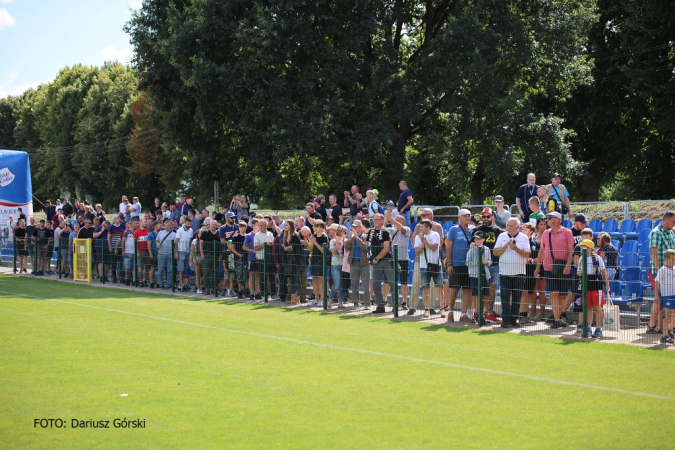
[(661, 238)]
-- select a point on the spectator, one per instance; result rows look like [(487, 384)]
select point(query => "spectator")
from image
[(310, 216), (187, 206), (664, 293), (194, 221), (156, 207), (335, 211), (501, 215), (174, 213), (523, 195), (405, 202), (125, 208), (373, 206), (535, 208), (67, 208), (479, 268), (225, 234), (196, 259), (182, 252), (337, 253), (578, 235), (457, 244), (357, 246), (400, 237), (661, 239), (390, 207), (50, 210), (595, 270), (21, 245), (152, 251), (513, 248), (254, 270), (320, 207), (241, 206), (428, 213), (58, 206), (64, 239), (542, 193), (609, 254), (289, 259), (317, 239), (354, 202), (557, 250), (181, 203), (380, 257), (262, 237), (490, 233), (129, 250), (427, 243), (208, 248), (529, 297), (240, 258), (30, 237), (100, 237), (115, 248), (305, 234), (164, 254), (559, 194), (142, 252)]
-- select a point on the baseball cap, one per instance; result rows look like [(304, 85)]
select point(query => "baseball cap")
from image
[(556, 175), (478, 235), (499, 198), (581, 218), (333, 226), (230, 214), (463, 212), (555, 214), (486, 212), (376, 192), (588, 243), (390, 203)]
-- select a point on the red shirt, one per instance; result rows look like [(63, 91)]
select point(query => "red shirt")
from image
[(141, 235), (563, 245)]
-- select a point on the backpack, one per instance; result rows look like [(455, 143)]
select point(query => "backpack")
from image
[(379, 208)]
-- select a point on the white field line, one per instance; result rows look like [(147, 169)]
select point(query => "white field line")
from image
[(363, 351)]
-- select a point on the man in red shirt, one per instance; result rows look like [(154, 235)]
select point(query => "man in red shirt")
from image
[(142, 253), (557, 251)]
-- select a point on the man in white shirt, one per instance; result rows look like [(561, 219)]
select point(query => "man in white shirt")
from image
[(135, 208), (427, 244), (261, 237), (124, 208), (182, 252), (513, 249)]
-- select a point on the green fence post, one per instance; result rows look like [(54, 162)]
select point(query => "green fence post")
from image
[(395, 293), (103, 273), (58, 257), (135, 263), (265, 274), (481, 270), (35, 258), (584, 292), (171, 276), (14, 251), (214, 248), (324, 258)]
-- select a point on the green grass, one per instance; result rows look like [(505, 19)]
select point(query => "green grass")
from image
[(210, 386)]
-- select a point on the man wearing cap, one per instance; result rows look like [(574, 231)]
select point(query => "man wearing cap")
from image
[(491, 233), (457, 243), (320, 207), (526, 191), (556, 253), (501, 215), (514, 248), (357, 245), (405, 202), (559, 193), (391, 208)]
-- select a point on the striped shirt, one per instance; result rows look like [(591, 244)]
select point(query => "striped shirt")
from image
[(662, 240)]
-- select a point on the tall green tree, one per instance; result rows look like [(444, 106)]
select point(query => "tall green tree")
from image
[(350, 91)]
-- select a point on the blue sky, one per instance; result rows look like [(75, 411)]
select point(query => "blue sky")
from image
[(40, 37)]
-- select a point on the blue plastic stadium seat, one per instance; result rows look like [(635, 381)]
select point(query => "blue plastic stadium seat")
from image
[(630, 260), (629, 246), (643, 235), (567, 223), (446, 226), (657, 223), (413, 225), (610, 226), (615, 288), (627, 226), (616, 244), (630, 274), (10, 245), (595, 225)]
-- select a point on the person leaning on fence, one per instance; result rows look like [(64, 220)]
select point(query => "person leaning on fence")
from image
[(596, 275), (557, 250), (236, 246), (357, 246), (513, 248), (129, 250), (457, 243), (490, 233), (400, 237), (427, 255), (289, 260), (115, 249), (575, 286), (208, 250), (664, 294), (661, 239)]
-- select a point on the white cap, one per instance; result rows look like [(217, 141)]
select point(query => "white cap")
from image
[(463, 212)]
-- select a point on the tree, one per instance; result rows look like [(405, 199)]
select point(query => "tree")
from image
[(351, 91)]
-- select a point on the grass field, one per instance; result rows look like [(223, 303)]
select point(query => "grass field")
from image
[(213, 374)]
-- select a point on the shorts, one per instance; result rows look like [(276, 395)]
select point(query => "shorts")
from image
[(595, 298), (143, 260), (611, 273), (183, 261), (494, 274), (44, 252), (96, 255), (460, 277), (316, 269), (668, 302), (474, 286), (128, 261), (241, 269), (403, 271), (426, 277), (257, 266), (557, 284), (228, 274), (575, 287)]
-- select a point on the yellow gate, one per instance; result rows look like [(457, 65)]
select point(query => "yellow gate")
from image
[(82, 260)]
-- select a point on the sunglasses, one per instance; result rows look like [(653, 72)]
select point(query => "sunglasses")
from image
[(485, 217)]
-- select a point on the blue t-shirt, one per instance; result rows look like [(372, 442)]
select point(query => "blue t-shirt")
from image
[(560, 189), (248, 241), (357, 252), (353, 208), (228, 231), (461, 239), (403, 199), (524, 194), (152, 240)]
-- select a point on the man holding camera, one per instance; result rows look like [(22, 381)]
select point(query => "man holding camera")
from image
[(513, 248)]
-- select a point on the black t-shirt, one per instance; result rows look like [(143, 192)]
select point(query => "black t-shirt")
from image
[(315, 215), (322, 212), (273, 231), (336, 213), (491, 235), (85, 233), (534, 249), (50, 211), (377, 240), (238, 242), (67, 210), (20, 233), (210, 240), (220, 217), (320, 240), (43, 235), (154, 209), (576, 234)]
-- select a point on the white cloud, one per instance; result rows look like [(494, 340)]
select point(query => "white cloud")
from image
[(123, 55), (7, 86), (6, 1), (133, 4), (6, 20)]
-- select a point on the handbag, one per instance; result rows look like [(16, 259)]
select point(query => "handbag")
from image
[(558, 264), (611, 316), (433, 268)]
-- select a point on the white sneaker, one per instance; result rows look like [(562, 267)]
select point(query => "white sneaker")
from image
[(199, 291)]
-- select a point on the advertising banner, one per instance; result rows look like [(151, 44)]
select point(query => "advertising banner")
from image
[(16, 190)]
